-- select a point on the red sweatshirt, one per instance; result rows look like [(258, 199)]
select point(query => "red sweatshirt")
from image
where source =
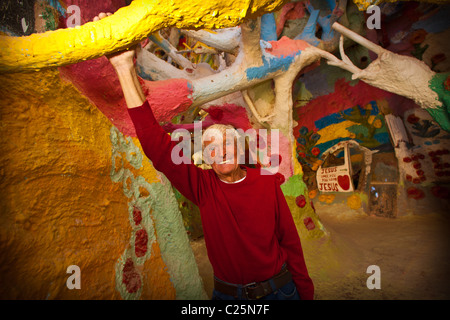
[(248, 227)]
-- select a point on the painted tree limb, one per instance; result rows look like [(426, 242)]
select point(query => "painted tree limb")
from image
[(358, 39), (283, 88), (170, 50), (128, 26), (150, 67), (402, 75), (226, 40), (250, 43), (254, 111)]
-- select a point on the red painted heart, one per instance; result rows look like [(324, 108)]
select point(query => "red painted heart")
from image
[(344, 182)]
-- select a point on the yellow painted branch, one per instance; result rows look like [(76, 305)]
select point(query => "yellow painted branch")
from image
[(127, 26)]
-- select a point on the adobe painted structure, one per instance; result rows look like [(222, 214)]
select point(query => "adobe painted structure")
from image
[(76, 188)]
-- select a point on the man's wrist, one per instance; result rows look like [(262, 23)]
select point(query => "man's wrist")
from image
[(124, 67)]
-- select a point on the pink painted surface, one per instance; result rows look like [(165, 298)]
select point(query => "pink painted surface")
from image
[(226, 114), (230, 114), (168, 98), (97, 80)]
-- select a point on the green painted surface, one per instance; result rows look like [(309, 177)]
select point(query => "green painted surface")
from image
[(294, 187), (440, 84)]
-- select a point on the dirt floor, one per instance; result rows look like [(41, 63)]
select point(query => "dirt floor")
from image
[(412, 253)]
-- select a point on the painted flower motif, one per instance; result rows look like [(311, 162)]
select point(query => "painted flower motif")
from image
[(315, 137), (371, 119), (303, 130), (412, 118), (354, 201), (280, 178), (315, 151), (301, 140), (302, 154), (312, 194), (309, 223), (415, 193), (300, 201), (418, 36), (377, 124)]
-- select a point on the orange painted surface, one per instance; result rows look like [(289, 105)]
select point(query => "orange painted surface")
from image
[(287, 47), (155, 273)]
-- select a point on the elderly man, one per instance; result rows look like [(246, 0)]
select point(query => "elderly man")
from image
[(251, 239)]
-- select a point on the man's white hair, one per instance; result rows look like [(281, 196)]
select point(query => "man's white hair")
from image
[(218, 129)]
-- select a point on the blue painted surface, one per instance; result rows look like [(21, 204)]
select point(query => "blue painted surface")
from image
[(336, 118), (141, 73), (309, 31), (331, 4), (162, 44), (327, 31), (270, 65), (268, 27)]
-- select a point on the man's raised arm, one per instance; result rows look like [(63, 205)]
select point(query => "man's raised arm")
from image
[(155, 142), (123, 63)]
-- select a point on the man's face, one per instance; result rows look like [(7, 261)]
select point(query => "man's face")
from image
[(224, 157)]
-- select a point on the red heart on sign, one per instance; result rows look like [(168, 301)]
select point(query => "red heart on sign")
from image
[(344, 182)]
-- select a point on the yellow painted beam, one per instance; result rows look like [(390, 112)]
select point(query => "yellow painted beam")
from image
[(124, 28)]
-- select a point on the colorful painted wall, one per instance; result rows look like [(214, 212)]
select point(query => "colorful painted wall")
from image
[(76, 188), (332, 108)]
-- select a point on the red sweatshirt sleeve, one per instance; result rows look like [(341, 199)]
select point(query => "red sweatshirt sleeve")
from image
[(157, 146), (289, 241)]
